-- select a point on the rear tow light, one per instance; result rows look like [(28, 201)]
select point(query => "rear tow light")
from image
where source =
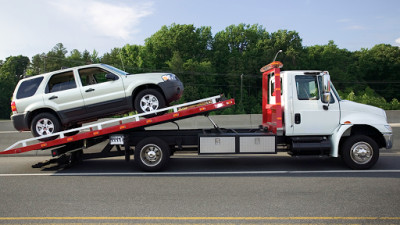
[(13, 108)]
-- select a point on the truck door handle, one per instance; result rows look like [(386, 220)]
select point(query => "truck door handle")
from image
[(89, 90), (53, 97), (297, 118)]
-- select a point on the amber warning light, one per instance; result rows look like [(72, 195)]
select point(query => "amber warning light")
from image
[(274, 64)]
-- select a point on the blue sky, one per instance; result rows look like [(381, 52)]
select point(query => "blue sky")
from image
[(30, 27)]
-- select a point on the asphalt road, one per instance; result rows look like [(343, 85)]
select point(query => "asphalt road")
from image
[(253, 189), (274, 189)]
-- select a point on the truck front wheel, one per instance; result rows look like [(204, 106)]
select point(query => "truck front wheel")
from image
[(360, 152), (151, 154)]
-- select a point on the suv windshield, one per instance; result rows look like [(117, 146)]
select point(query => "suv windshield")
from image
[(116, 70)]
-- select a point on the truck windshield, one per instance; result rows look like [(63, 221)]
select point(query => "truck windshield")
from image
[(335, 92)]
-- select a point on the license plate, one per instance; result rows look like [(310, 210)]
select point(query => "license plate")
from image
[(116, 139)]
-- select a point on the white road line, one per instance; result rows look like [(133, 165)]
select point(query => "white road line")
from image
[(12, 132), (203, 173)]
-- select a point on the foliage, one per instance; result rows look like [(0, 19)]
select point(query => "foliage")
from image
[(227, 62), (370, 97), (11, 71)]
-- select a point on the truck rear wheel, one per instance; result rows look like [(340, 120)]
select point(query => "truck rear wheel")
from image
[(360, 152), (152, 154)]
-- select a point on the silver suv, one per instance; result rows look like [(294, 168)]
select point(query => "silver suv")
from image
[(64, 99)]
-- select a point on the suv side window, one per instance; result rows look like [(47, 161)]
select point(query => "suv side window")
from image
[(90, 76), (29, 87), (61, 82), (307, 87)]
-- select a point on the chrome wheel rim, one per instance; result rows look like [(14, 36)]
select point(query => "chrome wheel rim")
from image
[(151, 155), (44, 126), (149, 103), (361, 152)]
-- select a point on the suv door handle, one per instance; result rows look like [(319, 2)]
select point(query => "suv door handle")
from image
[(297, 118), (89, 90), (53, 97)]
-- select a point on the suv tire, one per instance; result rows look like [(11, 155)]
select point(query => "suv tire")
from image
[(45, 124), (149, 100)]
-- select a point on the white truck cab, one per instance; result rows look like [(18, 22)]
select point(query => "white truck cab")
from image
[(315, 120)]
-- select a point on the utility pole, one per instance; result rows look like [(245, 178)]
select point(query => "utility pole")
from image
[(241, 89)]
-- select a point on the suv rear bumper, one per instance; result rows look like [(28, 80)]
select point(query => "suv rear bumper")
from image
[(172, 89), (20, 123)]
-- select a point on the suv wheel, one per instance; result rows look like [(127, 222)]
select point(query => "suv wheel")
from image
[(149, 100), (45, 124)]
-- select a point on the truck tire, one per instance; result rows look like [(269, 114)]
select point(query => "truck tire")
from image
[(45, 124), (149, 100), (151, 154), (360, 152)]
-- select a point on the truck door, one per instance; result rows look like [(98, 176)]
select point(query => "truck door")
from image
[(310, 117)]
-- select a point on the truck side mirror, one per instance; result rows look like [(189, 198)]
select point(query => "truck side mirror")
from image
[(326, 85), (326, 80)]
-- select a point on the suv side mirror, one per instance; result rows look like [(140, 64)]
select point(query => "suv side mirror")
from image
[(111, 76)]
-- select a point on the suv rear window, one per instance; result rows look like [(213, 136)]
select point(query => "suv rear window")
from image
[(29, 87)]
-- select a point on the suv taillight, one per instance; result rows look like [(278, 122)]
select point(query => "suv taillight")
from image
[(13, 108)]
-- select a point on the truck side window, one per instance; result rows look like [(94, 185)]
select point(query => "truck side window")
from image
[(272, 87), (61, 82), (307, 87)]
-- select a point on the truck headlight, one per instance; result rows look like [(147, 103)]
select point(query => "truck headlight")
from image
[(168, 77)]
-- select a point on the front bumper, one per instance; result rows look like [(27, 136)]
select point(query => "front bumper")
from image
[(389, 140), (173, 90)]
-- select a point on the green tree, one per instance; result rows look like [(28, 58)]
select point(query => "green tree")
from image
[(113, 58), (11, 72), (238, 49), (134, 58), (55, 59), (339, 62), (287, 41), (75, 58), (190, 42), (380, 68), (37, 65), (94, 57)]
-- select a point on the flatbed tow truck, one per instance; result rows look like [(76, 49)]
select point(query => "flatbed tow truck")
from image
[(301, 115)]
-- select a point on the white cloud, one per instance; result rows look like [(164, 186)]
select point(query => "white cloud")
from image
[(398, 41), (106, 19)]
